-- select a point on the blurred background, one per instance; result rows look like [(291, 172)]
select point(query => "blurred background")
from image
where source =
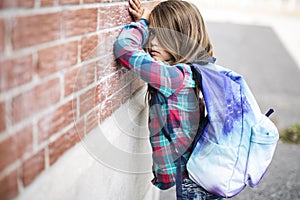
[(260, 40)]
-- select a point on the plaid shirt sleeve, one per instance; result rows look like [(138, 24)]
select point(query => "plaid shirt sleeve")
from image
[(128, 49)]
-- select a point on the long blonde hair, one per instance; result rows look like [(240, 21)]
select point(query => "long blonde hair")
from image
[(180, 29)]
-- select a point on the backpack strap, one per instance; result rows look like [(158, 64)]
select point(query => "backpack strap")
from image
[(179, 179), (158, 113), (203, 122), (197, 75), (203, 119)]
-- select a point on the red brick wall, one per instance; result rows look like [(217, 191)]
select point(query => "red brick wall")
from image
[(58, 80)]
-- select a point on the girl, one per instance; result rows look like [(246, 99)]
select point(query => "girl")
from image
[(158, 47)]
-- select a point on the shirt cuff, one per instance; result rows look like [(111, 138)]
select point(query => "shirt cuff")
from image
[(144, 21)]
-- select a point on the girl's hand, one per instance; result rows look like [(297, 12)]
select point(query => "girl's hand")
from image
[(136, 10)]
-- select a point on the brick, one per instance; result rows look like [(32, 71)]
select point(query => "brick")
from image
[(90, 1), (52, 122), (9, 186), (92, 121), (16, 4), (111, 16), (126, 93), (2, 117), (32, 167), (100, 93), (2, 35), (87, 101), (96, 1), (33, 30), (106, 66), (70, 79), (45, 3), (116, 100), (79, 78), (115, 95), (105, 110), (106, 43), (66, 2), (62, 144), (79, 128), (115, 82), (105, 51), (29, 103), (15, 146), (89, 46), (16, 72), (78, 22), (58, 57)]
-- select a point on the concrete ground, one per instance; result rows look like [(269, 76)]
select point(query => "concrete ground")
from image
[(282, 180)]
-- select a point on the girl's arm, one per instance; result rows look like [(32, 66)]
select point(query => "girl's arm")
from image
[(128, 50)]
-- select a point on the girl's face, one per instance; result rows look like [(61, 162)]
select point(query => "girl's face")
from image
[(157, 52)]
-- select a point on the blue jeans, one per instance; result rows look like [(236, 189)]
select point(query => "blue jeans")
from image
[(191, 191)]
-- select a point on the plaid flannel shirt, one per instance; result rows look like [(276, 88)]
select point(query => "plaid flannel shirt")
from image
[(177, 98)]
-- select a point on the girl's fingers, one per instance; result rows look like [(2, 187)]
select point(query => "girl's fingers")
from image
[(133, 12), (133, 5), (137, 3), (136, 9)]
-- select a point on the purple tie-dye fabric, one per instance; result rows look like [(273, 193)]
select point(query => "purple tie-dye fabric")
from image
[(238, 143)]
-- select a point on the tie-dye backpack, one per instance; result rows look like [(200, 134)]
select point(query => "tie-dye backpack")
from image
[(236, 144)]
